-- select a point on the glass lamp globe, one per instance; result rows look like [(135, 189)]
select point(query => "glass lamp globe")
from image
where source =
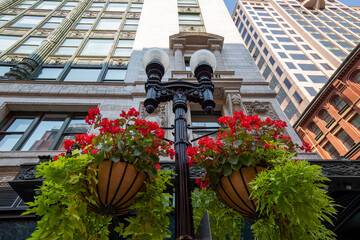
[(202, 56), (156, 55)]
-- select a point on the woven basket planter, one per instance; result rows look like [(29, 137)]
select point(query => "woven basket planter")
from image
[(234, 191), (118, 183)]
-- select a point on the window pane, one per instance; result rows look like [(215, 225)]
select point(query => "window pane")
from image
[(44, 135), (4, 69), (66, 51), (27, 21), (7, 41), (49, 73), (115, 74), (125, 43), (47, 5), (130, 27), (77, 126), (9, 141), (108, 24), (19, 125), (71, 42), (25, 49), (97, 47), (83, 75), (116, 7), (126, 52)]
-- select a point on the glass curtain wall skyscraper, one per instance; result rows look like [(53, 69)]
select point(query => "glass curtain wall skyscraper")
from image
[(297, 45)]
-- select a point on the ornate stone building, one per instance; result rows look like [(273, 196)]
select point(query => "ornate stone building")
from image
[(331, 122), (60, 58)]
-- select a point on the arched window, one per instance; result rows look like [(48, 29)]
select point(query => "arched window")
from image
[(315, 129), (357, 78), (345, 139), (339, 103), (332, 151), (324, 115)]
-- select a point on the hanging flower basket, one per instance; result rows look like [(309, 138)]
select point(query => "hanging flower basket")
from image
[(234, 191), (118, 184)]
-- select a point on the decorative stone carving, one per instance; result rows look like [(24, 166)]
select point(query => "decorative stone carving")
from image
[(14, 32), (189, 9), (90, 14), (123, 62), (57, 60), (42, 32), (263, 110), (192, 28), (27, 174), (127, 35), (138, 1), (234, 103), (61, 13), (133, 15), (77, 33), (236, 99), (159, 115), (12, 58), (13, 11), (103, 34), (337, 168), (38, 12)]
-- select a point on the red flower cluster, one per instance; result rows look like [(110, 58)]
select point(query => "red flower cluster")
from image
[(204, 182), (55, 158), (93, 113), (243, 140), (306, 146), (128, 138)]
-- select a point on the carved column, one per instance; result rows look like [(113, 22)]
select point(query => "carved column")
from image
[(216, 49), (24, 69), (234, 103), (179, 57), (4, 4)]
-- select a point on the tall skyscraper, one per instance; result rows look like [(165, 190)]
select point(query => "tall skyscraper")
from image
[(60, 58), (297, 45)]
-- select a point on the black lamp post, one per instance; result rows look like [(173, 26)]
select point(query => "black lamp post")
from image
[(202, 63)]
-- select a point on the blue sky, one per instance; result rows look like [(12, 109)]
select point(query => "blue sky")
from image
[(231, 3)]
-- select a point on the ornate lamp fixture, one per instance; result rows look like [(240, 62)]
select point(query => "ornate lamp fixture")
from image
[(202, 64)]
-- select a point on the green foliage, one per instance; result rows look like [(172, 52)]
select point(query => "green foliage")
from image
[(294, 202), (151, 221), (223, 221), (63, 213)]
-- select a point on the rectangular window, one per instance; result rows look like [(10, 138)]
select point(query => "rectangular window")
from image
[(206, 125), (116, 7), (345, 139), (5, 18), (124, 48), (291, 47), (273, 83), (83, 75), (108, 24), (29, 45), (356, 121), (300, 77), (115, 75), (317, 79), (85, 23), (266, 51), (290, 110), (272, 61), (69, 46), (266, 72), (53, 22), (297, 97), (97, 47), (187, 3), (298, 56), (27, 21), (283, 39), (68, 6), (49, 5), (261, 63), (291, 65), (311, 91), (42, 131), (308, 67), (282, 55), (7, 41), (287, 83), (97, 6), (279, 72), (281, 96), (48, 74), (189, 19), (260, 43)]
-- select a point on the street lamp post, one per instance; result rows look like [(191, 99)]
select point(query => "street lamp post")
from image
[(202, 63)]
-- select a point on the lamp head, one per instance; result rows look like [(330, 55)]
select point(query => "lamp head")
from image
[(202, 60), (155, 62)]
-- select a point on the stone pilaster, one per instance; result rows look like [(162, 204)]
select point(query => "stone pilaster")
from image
[(179, 57), (216, 49), (5, 4), (24, 69)]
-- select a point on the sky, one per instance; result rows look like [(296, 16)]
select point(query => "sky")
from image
[(231, 3)]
